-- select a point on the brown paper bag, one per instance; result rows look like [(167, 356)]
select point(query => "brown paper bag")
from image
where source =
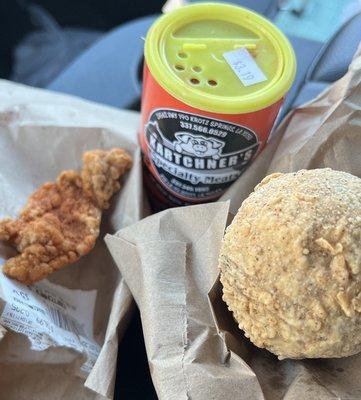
[(169, 261), (322, 133), (41, 134)]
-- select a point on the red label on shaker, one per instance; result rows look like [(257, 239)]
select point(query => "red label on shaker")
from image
[(214, 80)]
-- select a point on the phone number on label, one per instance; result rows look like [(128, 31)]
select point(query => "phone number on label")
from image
[(193, 127), (202, 129)]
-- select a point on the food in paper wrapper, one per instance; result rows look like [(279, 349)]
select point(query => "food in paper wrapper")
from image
[(291, 264), (61, 220)]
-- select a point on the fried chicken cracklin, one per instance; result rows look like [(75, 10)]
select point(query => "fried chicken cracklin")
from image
[(60, 222)]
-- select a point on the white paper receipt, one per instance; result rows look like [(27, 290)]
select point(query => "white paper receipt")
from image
[(244, 66), (51, 315)]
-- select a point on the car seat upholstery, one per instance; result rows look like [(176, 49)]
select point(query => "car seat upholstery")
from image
[(109, 72)]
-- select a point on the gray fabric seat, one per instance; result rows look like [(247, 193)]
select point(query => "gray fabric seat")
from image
[(332, 61), (108, 72)]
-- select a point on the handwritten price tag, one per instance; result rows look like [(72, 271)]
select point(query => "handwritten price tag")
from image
[(244, 66)]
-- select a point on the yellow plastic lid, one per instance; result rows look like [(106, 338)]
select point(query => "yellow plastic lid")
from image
[(184, 51)]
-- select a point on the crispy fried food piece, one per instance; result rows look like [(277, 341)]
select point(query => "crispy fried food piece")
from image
[(61, 220), (101, 172), (291, 264)]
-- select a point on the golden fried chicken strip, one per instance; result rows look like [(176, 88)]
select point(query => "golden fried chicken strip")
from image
[(61, 220)]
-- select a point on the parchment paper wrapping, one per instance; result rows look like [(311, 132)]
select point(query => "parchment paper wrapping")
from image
[(322, 133), (169, 261), (41, 134)]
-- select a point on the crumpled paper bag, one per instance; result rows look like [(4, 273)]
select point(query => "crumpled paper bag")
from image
[(324, 132), (169, 261), (41, 134)]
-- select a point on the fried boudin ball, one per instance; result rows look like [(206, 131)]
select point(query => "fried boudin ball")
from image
[(291, 264)]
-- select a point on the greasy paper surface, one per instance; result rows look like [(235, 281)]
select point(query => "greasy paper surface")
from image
[(169, 261), (41, 134)]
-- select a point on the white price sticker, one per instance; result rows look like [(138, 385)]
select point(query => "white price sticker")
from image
[(51, 315), (244, 66)]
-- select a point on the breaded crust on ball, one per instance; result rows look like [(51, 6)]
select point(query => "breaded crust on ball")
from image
[(291, 264)]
